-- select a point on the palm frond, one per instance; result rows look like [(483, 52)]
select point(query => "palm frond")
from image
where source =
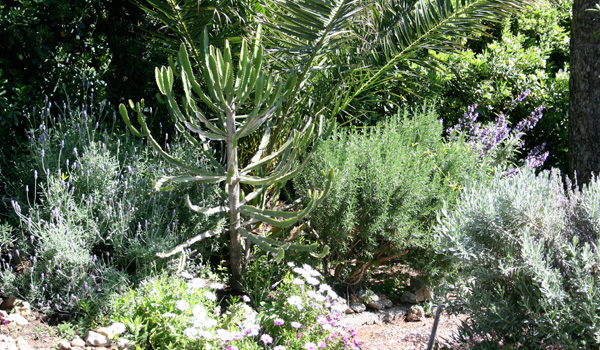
[(186, 20), (303, 31), (438, 25)]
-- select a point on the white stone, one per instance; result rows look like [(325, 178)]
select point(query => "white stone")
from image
[(415, 313), (96, 339), (3, 314), (357, 307), (124, 344), (22, 344), (106, 331), (7, 343), (393, 314), (18, 319), (78, 343), (64, 345), (23, 307)]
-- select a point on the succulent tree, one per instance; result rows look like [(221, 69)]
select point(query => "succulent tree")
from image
[(240, 102)]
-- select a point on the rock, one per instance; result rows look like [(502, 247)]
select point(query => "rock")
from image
[(360, 319), (357, 307), (7, 343), (64, 345), (18, 319), (349, 310), (96, 339), (78, 348), (415, 313), (415, 284), (22, 307), (106, 331), (376, 305), (367, 296), (3, 314), (408, 297), (8, 303), (393, 314), (77, 343), (424, 294), (22, 344), (387, 303), (124, 344)]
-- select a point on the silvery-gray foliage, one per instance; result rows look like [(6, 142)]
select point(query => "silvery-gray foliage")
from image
[(89, 220), (528, 258)]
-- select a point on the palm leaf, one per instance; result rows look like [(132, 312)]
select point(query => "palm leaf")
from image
[(401, 34)]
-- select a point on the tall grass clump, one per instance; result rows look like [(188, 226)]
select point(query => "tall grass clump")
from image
[(89, 221), (529, 262), (392, 180)]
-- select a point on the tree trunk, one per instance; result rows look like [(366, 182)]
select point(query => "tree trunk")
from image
[(235, 243), (584, 93)]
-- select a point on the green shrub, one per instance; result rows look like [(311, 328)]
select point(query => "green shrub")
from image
[(529, 261), (392, 180), (89, 219)]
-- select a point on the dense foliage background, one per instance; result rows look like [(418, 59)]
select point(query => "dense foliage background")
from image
[(440, 137)]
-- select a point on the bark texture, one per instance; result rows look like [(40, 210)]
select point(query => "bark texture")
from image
[(584, 93)]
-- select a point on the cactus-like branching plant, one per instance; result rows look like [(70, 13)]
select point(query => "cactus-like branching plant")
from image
[(239, 103)]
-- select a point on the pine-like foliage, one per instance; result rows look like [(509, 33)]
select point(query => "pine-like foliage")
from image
[(391, 181)]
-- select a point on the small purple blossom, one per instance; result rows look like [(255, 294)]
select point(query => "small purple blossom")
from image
[(310, 346), (295, 325), (322, 320), (252, 330), (279, 347), (520, 98), (278, 322), (267, 339)]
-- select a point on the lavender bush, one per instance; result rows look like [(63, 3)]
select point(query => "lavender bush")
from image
[(529, 262), (89, 220), (497, 141)]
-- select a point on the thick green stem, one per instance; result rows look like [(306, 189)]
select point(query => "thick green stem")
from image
[(235, 245)]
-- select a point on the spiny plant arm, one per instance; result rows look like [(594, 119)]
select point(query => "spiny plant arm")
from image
[(145, 132), (241, 104)]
